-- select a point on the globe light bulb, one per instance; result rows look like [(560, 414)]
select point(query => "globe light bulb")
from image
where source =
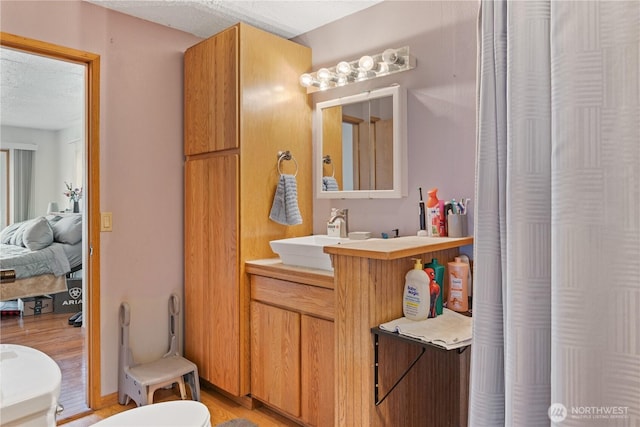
[(366, 63), (390, 56), (323, 74), (343, 67), (306, 80)]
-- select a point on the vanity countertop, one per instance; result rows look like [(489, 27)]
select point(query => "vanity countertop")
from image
[(399, 247), (273, 267)]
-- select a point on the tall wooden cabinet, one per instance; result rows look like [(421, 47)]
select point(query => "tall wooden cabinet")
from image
[(243, 104)]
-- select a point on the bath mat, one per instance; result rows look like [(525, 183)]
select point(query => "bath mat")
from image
[(238, 422)]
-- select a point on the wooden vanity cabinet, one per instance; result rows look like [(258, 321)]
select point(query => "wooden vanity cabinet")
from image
[(243, 104), (292, 347)]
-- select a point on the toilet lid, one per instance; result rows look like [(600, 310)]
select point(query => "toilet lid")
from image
[(30, 382), (184, 413)]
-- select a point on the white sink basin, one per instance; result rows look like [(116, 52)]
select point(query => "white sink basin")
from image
[(307, 251)]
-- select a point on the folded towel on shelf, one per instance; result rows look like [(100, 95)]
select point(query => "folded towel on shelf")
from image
[(449, 330), (329, 183), (285, 202)]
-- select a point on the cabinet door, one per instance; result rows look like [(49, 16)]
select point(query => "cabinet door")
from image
[(212, 306), (317, 371), (275, 357), (211, 94)]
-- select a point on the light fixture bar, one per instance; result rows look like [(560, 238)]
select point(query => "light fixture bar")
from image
[(367, 67)]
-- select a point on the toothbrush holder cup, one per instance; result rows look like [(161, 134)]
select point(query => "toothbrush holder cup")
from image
[(457, 225)]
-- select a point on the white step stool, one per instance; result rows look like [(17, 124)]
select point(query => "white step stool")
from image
[(139, 382)]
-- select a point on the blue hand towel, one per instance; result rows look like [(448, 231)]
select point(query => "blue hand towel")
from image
[(285, 209), (329, 183)]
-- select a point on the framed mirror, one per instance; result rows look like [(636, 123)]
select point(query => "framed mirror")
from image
[(361, 146)]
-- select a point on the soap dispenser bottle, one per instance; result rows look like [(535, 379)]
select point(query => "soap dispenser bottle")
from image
[(416, 300)]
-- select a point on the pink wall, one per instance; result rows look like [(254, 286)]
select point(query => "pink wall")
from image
[(141, 160), (440, 100)]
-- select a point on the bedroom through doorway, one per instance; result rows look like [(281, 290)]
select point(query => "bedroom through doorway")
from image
[(64, 146)]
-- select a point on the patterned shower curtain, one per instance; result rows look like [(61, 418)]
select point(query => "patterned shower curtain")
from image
[(557, 221)]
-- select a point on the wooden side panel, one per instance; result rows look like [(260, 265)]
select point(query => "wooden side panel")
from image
[(211, 273), (275, 357), (276, 115), (354, 379), (318, 351), (211, 94)]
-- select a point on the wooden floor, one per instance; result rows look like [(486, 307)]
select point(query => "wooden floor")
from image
[(220, 408), (51, 334)]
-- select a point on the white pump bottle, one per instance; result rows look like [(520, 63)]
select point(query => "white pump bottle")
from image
[(416, 301)]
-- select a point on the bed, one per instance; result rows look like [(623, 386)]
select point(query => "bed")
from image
[(39, 254)]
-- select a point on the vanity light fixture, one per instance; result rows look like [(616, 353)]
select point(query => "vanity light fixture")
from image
[(367, 67)]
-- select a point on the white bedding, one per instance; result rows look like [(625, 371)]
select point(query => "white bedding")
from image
[(27, 263), (43, 245)]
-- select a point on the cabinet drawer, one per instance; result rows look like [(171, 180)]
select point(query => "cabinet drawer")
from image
[(294, 296)]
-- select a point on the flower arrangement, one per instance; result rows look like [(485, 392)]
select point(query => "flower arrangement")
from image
[(74, 194)]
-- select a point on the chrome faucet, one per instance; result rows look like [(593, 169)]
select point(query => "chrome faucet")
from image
[(341, 214)]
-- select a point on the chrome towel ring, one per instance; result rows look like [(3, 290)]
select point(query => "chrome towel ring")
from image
[(286, 155), (327, 161)]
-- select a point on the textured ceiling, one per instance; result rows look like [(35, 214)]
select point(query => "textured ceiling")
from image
[(204, 18), (41, 93)]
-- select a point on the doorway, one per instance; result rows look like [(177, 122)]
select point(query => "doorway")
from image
[(91, 196)]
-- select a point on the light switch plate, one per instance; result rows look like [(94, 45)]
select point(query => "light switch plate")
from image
[(106, 221)]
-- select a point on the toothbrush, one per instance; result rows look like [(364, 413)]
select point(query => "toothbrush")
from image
[(423, 222)]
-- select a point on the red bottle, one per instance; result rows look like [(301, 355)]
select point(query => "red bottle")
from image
[(433, 213)]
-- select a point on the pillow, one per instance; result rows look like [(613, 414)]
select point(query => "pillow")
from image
[(16, 238), (68, 229), (53, 219), (37, 234)]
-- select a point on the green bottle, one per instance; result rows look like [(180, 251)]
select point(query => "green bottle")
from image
[(439, 271)]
